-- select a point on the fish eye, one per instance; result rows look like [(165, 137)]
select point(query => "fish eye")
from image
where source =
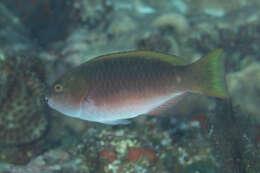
[(58, 88)]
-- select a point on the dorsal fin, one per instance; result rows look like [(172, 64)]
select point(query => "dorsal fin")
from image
[(172, 59), (170, 103)]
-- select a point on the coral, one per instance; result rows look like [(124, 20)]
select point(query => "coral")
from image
[(201, 167), (134, 154), (52, 161), (159, 41), (42, 18), (178, 22), (217, 8), (94, 13), (202, 119), (121, 24), (245, 84), (122, 149), (108, 154), (233, 138), (14, 36), (22, 117), (238, 38), (187, 139)]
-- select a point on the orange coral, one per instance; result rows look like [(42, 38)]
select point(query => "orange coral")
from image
[(134, 154), (108, 154)]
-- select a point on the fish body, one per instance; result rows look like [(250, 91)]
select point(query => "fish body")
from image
[(112, 88)]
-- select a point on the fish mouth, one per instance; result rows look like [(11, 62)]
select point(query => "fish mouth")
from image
[(49, 102), (46, 99), (47, 95)]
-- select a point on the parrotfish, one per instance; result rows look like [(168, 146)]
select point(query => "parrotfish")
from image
[(112, 88)]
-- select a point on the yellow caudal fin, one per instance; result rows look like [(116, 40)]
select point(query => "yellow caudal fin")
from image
[(209, 73)]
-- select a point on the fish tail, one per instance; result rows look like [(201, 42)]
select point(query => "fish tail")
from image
[(208, 73)]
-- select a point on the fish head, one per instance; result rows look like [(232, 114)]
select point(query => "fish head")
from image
[(65, 95)]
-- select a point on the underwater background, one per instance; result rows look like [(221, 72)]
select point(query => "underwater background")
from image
[(42, 39)]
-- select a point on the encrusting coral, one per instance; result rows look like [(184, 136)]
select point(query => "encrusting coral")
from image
[(22, 118)]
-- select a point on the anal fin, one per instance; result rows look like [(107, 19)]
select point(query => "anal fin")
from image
[(168, 104)]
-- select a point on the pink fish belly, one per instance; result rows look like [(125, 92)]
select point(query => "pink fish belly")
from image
[(121, 107)]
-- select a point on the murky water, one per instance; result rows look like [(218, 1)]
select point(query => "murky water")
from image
[(42, 39)]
